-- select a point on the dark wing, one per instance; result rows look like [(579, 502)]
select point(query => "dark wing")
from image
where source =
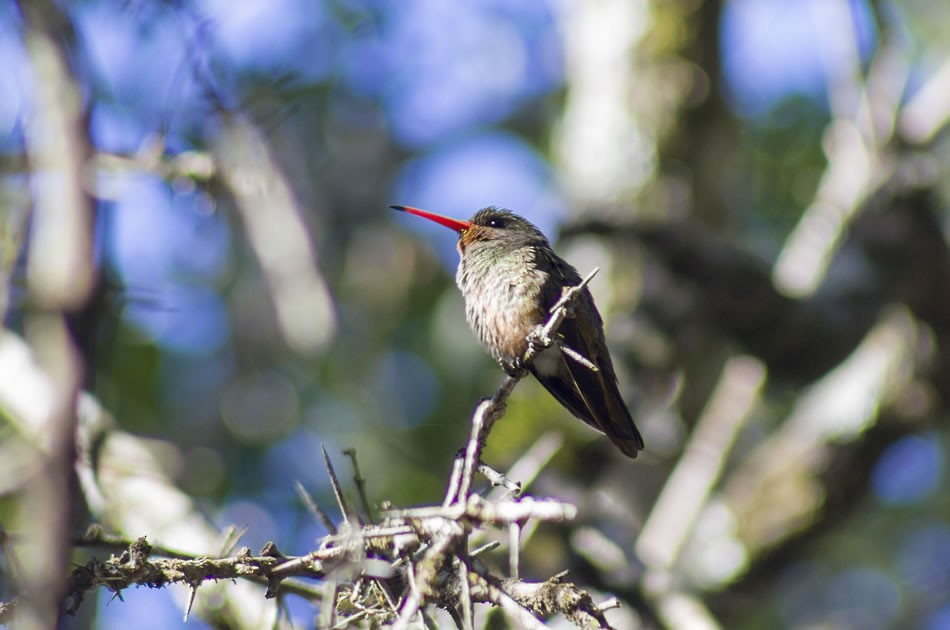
[(594, 397)]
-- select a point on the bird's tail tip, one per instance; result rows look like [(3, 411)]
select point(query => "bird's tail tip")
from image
[(629, 446)]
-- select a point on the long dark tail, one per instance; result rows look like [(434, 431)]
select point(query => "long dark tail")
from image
[(594, 398)]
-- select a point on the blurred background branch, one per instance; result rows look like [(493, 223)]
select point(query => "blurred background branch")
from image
[(60, 277), (202, 285)]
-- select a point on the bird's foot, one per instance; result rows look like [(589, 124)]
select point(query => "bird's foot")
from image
[(514, 367), (539, 339)]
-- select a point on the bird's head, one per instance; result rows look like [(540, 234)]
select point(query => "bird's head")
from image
[(488, 225)]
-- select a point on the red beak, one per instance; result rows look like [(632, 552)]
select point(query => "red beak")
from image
[(452, 224)]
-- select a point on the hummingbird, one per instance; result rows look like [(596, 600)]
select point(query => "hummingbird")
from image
[(510, 278)]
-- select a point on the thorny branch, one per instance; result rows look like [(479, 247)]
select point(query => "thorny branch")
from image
[(417, 545), (386, 570)]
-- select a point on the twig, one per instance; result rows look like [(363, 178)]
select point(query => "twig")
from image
[(134, 566), (495, 513), (497, 479), (328, 610), (468, 611), (545, 598), (532, 461), (232, 536), (484, 548), (568, 297), (608, 604), (369, 532), (474, 447), (413, 600), (514, 549), (425, 575), (518, 613), (349, 621), (454, 479), (96, 538), (577, 356), (360, 484), (337, 489), (314, 508), (61, 276)]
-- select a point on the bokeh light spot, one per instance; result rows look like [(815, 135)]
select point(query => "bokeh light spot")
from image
[(908, 471), (476, 71), (295, 36), (406, 387), (298, 457), (204, 471), (802, 595), (773, 49), (13, 80), (255, 518), (261, 407), (863, 598), (923, 562), (190, 320), (165, 247), (940, 620)]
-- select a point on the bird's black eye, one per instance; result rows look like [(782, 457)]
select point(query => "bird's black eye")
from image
[(496, 222)]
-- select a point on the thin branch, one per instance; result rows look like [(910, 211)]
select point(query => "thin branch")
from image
[(425, 576), (497, 479), (454, 480), (314, 508), (484, 549), (95, 537), (532, 461), (337, 490), (328, 610), (134, 566), (232, 537), (466, 603), (514, 550), (928, 112), (577, 356), (518, 613), (360, 484), (479, 423)]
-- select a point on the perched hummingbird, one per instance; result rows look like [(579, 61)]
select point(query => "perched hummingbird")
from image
[(510, 278)]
